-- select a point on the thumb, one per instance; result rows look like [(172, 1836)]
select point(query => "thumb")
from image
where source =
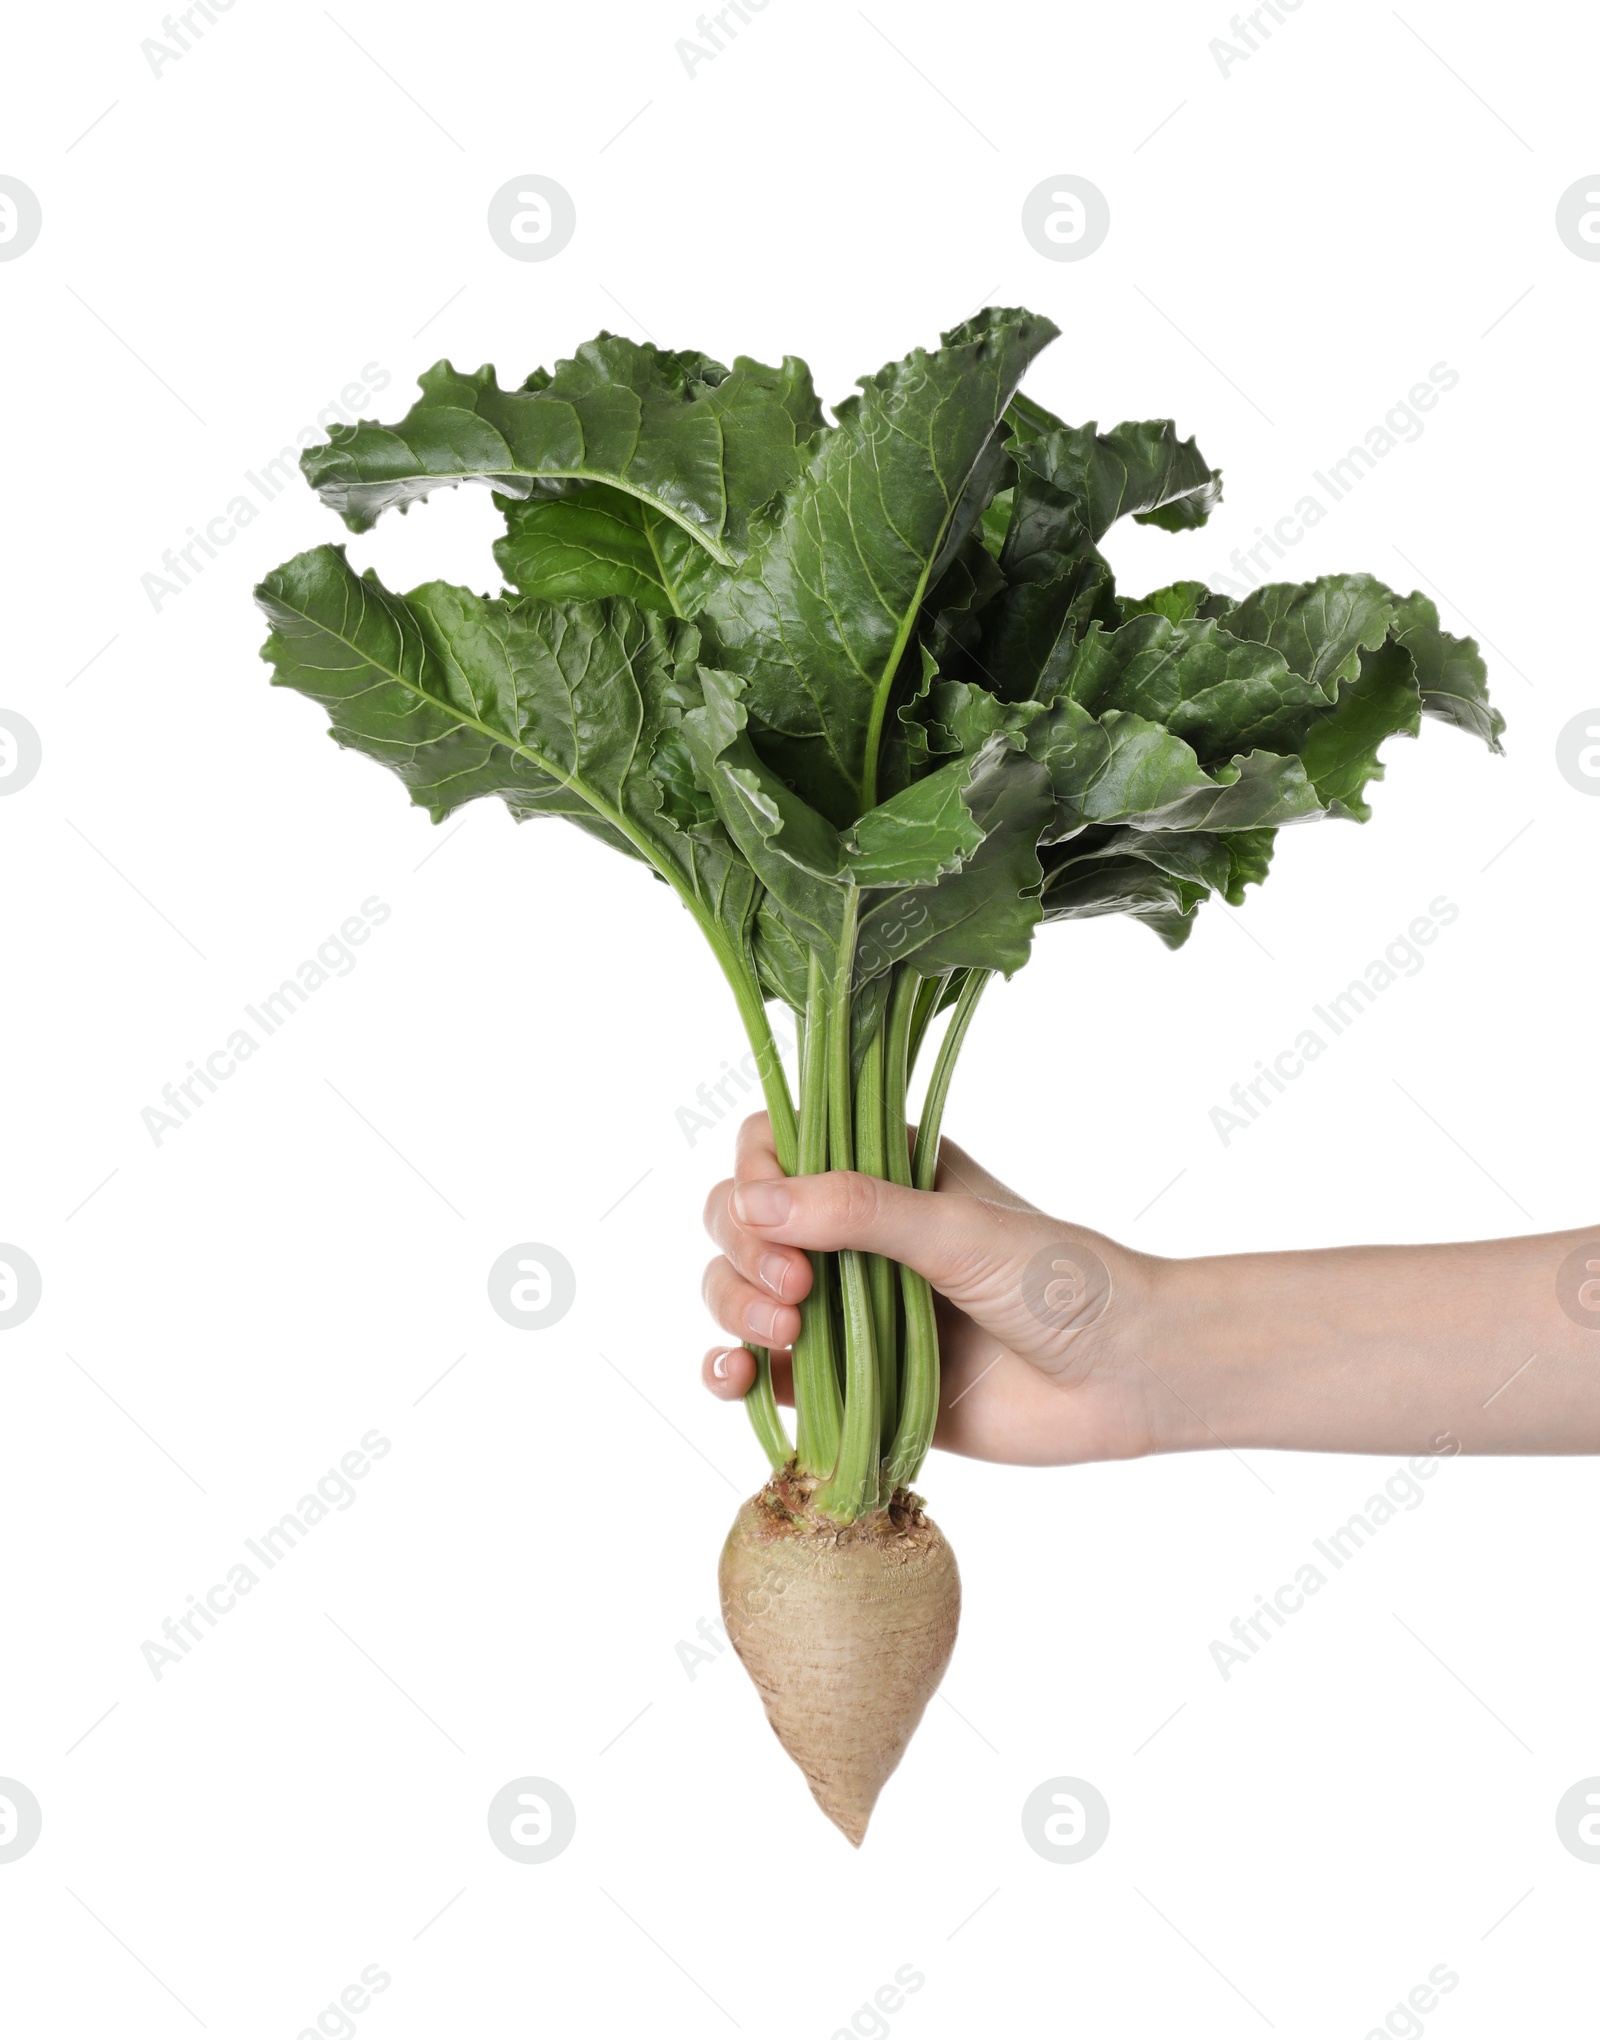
[(964, 1246)]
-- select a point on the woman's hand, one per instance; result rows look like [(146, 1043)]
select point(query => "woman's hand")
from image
[(1036, 1318)]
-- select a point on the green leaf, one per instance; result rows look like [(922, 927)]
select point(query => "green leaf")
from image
[(708, 449), (1031, 628), (919, 835), (597, 542), (1074, 482), (1250, 859), (1177, 602), (981, 917), (1221, 695), (781, 958), (1086, 882), (1341, 752), (1450, 673), (794, 851), (554, 708), (1320, 627), (818, 617), (1125, 767)]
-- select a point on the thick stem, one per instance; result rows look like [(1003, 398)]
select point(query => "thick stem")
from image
[(871, 1133), (929, 992), (854, 1489), (898, 1057), (919, 1393), (762, 1407), (816, 1379), (761, 1404), (769, 1064), (925, 1162)]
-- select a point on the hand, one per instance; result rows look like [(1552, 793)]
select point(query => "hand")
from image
[(1037, 1319)]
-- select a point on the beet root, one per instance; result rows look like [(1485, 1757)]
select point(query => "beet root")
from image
[(846, 1631)]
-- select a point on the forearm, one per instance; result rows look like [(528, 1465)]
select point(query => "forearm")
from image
[(1378, 1349)]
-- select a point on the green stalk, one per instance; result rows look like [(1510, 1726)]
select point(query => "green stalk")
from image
[(898, 1030), (760, 1403), (854, 1489), (925, 1163), (769, 1064), (871, 1133), (762, 1406), (919, 1394), (816, 1379), (929, 992)]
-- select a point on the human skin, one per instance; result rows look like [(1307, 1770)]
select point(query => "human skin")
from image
[(1341, 1349)]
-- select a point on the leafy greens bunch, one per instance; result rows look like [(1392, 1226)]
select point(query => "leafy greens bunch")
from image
[(863, 693)]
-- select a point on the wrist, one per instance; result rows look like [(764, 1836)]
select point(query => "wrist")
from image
[(1197, 1359)]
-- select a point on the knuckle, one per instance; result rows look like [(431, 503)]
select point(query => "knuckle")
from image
[(857, 1197)]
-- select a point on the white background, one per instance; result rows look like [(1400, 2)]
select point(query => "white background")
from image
[(229, 1846)]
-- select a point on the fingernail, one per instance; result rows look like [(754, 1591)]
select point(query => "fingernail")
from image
[(762, 1203), (719, 1364), (762, 1318), (774, 1271)]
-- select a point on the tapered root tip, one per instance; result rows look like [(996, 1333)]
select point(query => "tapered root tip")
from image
[(853, 1826)]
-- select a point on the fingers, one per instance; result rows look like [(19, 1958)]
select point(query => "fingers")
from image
[(754, 1156), (747, 1310), (730, 1374), (778, 1271)]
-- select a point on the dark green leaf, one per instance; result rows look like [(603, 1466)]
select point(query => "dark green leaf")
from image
[(708, 449), (818, 617), (556, 708), (1450, 672), (1320, 627)]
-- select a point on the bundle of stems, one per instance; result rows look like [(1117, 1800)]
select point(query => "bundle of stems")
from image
[(866, 1362)]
